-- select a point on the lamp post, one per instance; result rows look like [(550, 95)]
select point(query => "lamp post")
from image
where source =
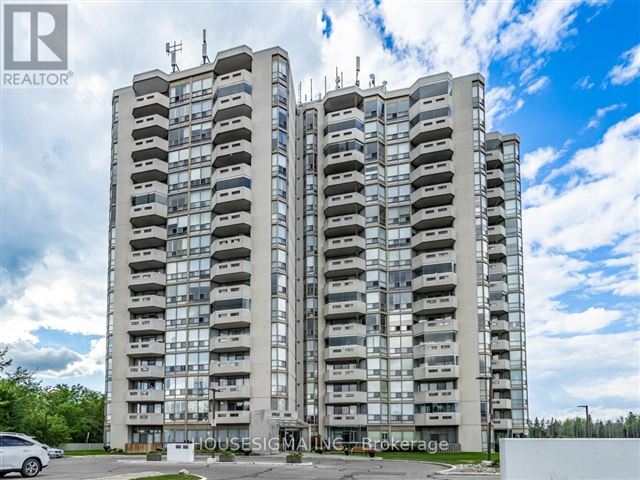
[(489, 413), (586, 411), (213, 412)]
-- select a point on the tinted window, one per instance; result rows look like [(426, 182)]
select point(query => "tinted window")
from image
[(14, 442)]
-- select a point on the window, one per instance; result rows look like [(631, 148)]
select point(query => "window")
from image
[(178, 136), (201, 109), (396, 131), (178, 158), (201, 131)]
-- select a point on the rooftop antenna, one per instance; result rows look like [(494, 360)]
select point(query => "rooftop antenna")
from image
[(205, 57), (337, 80), (384, 85), (300, 92), (311, 89), (172, 50), (372, 80), (341, 79), (325, 84), (357, 71)]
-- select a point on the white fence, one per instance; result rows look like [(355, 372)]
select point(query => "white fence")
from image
[(569, 458), (82, 446)]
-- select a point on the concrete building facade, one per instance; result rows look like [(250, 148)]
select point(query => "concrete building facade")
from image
[(346, 268)]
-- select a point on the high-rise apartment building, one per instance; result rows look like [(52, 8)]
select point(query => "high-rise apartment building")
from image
[(347, 268)]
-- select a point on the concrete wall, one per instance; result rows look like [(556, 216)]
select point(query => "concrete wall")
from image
[(585, 459)]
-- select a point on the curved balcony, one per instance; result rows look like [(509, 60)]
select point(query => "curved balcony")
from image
[(230, 292), (148, 148), (348, 352), (231, 224), (338, 398), (148, 259), (428, 306), (343, 162), (344, 267), (232, 200), (345, 420), (343, 204), (447, 419), (144, 326), (150, 170), (345, 375), (431, 129), (231, 343), (152, 104), (145, 371), (344, 136), (231, 171), (232, 153), (432, 173), (341, 246), (236, 318), (233, 271), (435, 326), (434, 282), (429, 103), (148, 237), (150, 126), (434, 349), (232, 130), (429, 258), (146, 304), (433, 195), (338, 310), (230, 106), (346, 182), (344, 225), (231, 247), (436, 396), (342, 115), (440, 372), (429, 152), (232, 367), (342, 286), (147, 281), (145, 349), (345, 330), (433, 239), (148, 214)]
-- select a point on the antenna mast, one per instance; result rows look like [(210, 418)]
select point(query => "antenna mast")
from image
[(172, 50), (205, 57), (357, 71), (372, 80), (337, 79)]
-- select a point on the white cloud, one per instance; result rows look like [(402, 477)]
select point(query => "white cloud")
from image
[(628, 69), (584, 83), (538, 85), (532, 162), (602, 112), (500, 103)]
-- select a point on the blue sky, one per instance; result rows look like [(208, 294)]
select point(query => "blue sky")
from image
[(564, 75)]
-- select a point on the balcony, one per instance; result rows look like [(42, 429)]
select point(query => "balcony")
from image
[(356, 420), (436, 396), (343, 161), (345, 397), (232, 417), (233, 392), (145, 396), (495, 159), (145, 372), (147, 281), (231, 171), (447, 419), (344, 136), (432, 173), (343, 204), (231, 343), (148, 148), (501, 364), (152, 104), (431, 152), (346, 182), (231, 224), (502, 424), (498, 287), (431, 349), (232, 130), (145, 419), (434, 282), (232, 367), (149, 171), (145, 326), (435, 326), (236, 318), (341, 246), (233, 271), (430, 258), (231, 247), (349, 352), (149, 259), (500, 345), (345, 330), (499, 326), (428, 306), (342, 286), (501, 403), (496, 233), (501, 384), (497, 268), (145, 349), (429, 103), (497, 252), (495, 178), (338, 310), (146, 304), (230, 106), (148, 214), (433, 239), (148, 237), (150, 126), (435, 217), (431, 129), (230, 292), (233, 153), (232, 200), (433, 195), (345, 375), (496, 214), (441, 372), (342, 226), (232, 78), (344, 267), (495, 196), (499, 307), (342, 115)]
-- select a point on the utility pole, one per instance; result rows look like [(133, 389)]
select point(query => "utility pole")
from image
[(586, 411)]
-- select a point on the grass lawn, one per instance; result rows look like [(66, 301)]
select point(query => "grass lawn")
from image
[(439, 457), (170, 477), (80, 453)]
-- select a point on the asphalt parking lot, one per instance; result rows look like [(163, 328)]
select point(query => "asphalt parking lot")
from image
[(323, 468)]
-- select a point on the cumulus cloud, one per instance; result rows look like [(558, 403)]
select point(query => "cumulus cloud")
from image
[(628, 69), (532, 162)]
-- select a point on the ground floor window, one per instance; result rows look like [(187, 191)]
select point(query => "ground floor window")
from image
[(146, 435)]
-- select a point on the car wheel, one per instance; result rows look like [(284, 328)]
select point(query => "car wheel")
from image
[(30, 467)]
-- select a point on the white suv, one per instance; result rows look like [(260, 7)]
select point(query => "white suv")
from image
[(19, 453)]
